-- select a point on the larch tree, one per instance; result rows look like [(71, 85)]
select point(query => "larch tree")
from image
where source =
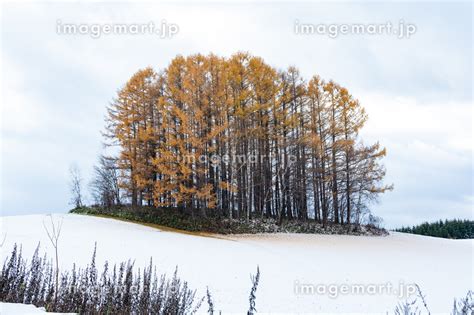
[(240, 138), (128, 125)]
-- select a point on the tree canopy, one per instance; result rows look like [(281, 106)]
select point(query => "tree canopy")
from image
[(238, 136)]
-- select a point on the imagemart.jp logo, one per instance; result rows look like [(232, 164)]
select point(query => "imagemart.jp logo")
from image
[(240, 159), (334, 290), (96, 30), (400, 30)]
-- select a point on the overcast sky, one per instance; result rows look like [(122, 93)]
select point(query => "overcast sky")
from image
[(417, 90)]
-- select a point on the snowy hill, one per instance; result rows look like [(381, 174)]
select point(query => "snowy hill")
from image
[(442, 268), (22, 309)]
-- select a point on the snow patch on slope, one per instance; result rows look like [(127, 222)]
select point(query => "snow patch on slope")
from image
[(442, 268)]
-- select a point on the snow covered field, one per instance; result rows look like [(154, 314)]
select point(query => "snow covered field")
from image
[(289, 263), (23, 309)]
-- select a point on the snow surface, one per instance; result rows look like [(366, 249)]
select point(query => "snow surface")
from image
[(16, 308), (442, 268), (23, 309)]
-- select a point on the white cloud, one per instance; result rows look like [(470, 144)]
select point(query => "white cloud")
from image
[(429, 157), (25, 113), (447, 125)]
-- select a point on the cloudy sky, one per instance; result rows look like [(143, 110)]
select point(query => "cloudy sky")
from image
[(417, 90)]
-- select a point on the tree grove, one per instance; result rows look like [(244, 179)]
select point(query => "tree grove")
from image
[(240, 137)]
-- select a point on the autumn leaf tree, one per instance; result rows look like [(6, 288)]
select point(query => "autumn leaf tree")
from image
[(130, 126), (240, 138)]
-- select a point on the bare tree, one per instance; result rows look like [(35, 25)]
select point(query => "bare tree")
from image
[(54, 233), (75, 186), (104, 185)]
